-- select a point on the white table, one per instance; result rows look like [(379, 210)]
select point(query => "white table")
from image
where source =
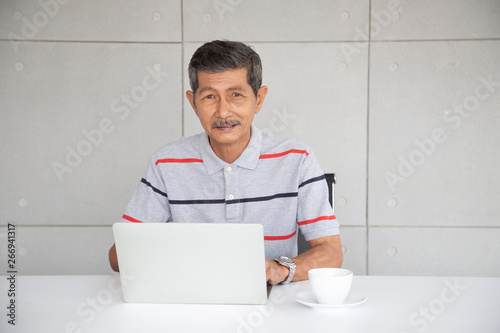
[(395, 304)]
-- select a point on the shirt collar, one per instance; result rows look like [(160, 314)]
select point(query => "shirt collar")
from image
[(248, 159)]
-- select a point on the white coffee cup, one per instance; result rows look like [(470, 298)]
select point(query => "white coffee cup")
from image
[(330, 285)]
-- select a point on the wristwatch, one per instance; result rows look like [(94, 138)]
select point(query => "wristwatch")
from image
[(287, 262)]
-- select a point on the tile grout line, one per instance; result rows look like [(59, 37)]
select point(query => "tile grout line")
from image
[(252, 42), (367, 258), (182, 68)]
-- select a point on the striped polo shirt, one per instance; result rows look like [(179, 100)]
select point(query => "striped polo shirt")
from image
[(275, 182)]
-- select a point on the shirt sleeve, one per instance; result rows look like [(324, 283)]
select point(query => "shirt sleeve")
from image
[(315, 215), (149, 203)]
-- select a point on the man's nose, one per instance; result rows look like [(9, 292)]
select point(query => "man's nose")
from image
[(223, 108)]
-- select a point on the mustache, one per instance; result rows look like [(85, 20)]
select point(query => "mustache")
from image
[(221, 123)]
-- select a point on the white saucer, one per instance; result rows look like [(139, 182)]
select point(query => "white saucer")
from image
[(307, 298)]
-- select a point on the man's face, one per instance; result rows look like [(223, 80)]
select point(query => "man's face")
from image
[(225, 104)]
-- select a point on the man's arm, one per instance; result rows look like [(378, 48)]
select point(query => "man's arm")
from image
[(324, 252), (113, 259)]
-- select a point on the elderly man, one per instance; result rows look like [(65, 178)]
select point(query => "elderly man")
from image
[(235, 173)]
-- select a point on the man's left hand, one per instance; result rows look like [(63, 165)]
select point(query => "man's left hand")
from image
[(275, 273)]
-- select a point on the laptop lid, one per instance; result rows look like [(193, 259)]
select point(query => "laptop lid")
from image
[(211, 263)]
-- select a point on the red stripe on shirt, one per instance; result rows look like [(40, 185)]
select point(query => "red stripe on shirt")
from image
[(321, 218), (179, 160), (274, 238), (291, 151), (131, 219)]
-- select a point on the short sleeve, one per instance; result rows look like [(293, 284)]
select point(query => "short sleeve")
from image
[(315, 215), (149, 203)]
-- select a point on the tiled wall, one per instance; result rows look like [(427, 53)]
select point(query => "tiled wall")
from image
[(400, 98)]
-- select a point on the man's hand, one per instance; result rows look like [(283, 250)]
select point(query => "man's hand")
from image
[(275, 273), (324, 252), (113, 259)]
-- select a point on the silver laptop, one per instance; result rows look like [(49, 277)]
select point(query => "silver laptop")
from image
[(211, 263)]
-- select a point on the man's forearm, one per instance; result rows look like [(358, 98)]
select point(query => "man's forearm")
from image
[(324, 252)]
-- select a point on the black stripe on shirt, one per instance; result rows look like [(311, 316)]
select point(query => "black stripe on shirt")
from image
[(243, 200), (312, 180), (196, 202), (153, 188), (271, 197)]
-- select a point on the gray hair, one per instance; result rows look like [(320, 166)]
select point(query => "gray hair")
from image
[(218, 56)]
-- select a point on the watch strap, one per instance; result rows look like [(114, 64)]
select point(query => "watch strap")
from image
[(287, 262)]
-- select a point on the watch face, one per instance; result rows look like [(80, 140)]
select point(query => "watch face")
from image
[(288, 260)]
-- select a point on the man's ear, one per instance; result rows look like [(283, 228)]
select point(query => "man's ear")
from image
[(190, 97), (261, 95)]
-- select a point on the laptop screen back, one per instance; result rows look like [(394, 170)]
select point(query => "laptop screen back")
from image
[(212, 263)]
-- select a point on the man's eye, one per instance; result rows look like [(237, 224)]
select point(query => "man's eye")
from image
[(209, 96), (236, 94)]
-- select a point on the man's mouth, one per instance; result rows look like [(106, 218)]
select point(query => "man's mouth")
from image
[(225, 124)]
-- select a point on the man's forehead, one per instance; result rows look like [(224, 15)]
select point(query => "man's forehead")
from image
[(231, 77)]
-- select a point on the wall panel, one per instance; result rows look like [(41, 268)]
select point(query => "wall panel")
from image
[(279, 20), (434, 119), (61, 250), (434, 251), (80, 121), (91, 20), (437, 20)]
